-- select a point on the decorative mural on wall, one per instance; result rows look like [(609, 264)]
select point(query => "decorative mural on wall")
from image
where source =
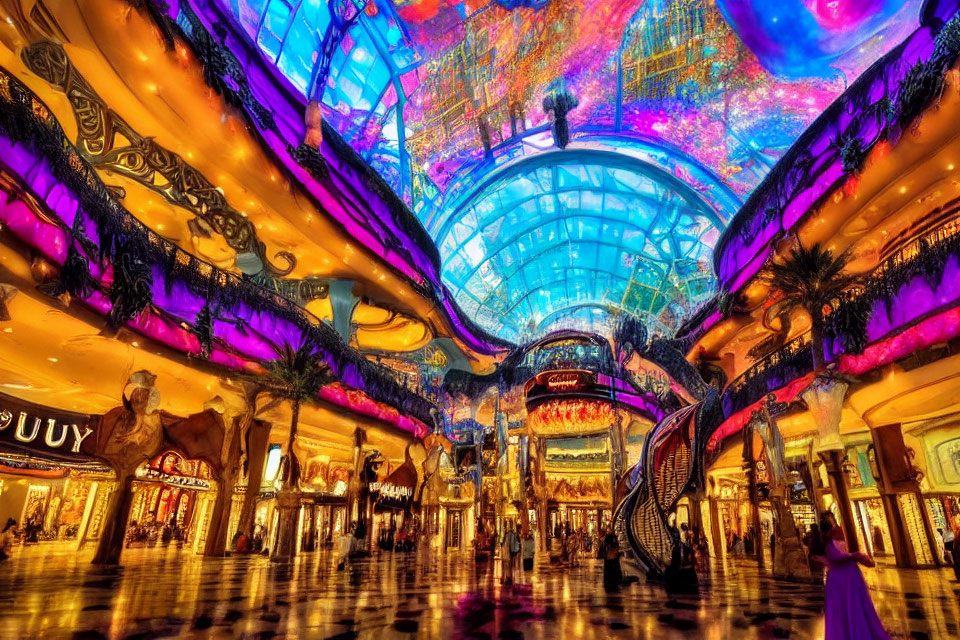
[(578, 487)]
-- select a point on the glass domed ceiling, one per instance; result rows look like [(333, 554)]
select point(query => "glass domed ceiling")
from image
[(565, 239)]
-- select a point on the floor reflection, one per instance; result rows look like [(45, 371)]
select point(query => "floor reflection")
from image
[(52, 592)]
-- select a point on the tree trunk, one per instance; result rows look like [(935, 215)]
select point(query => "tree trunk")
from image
[(790, 559), (293, 475), (288, 500), (839, 485), (110, 544), (816, 339), (258, 437), (288, 508), (216, 543)]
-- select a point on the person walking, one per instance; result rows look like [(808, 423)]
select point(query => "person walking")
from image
[(6, 539), (482, 544), (956, 555), (344, 546), (848, 610), (948, 538), (509, 550)]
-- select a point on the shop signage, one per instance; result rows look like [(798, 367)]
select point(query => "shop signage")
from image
[(184, 482), (40, 429), (571, 382), (395, 492), (563, 381), (394, 495), (567, 381)]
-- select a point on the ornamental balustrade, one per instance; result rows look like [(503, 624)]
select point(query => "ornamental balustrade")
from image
[(919, 281)]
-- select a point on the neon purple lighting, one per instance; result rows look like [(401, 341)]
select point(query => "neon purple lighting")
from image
[(908, 307)]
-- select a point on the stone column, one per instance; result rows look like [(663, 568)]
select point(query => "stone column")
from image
[(617, 455), (898, 476), (288, 506), (110, 544), (353, 486), (750, 468), (824, 399), (540, 490), (719, 542), (135, 435)]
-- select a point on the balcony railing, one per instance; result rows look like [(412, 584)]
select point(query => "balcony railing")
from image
[(793, 360)]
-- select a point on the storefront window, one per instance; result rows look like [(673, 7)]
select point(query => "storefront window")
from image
[(913, 523), (873, 526), (948, 459)]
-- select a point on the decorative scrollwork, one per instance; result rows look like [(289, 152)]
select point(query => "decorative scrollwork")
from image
[(142, 159)]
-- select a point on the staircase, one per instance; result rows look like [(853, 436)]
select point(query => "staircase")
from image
[(666, 467)]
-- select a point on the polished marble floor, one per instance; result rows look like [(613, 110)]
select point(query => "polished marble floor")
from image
[(47, 591)]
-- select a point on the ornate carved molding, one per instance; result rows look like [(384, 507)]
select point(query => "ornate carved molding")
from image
[(109, 142)]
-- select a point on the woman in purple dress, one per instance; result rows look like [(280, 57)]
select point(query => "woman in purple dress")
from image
[(849, 611)]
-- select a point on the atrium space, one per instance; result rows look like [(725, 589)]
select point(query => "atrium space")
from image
[(480, 319)]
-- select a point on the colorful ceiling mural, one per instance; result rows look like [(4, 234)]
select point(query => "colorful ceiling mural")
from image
[(439, 95)]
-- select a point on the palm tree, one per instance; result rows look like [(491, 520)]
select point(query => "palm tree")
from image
[(812, 279), (297, 375), (809, 279)]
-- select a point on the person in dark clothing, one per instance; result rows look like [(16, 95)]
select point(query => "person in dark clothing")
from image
[(956, 556), (612, 573), (681, 574), (6, 538)]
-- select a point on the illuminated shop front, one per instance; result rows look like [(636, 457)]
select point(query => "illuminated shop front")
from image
[(171, 503), (578, 485), (324, 496), (457, 513), (392, 498), (54, 491)]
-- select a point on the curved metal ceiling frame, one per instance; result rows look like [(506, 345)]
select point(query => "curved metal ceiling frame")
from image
[(577, 156), (615, 140)]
